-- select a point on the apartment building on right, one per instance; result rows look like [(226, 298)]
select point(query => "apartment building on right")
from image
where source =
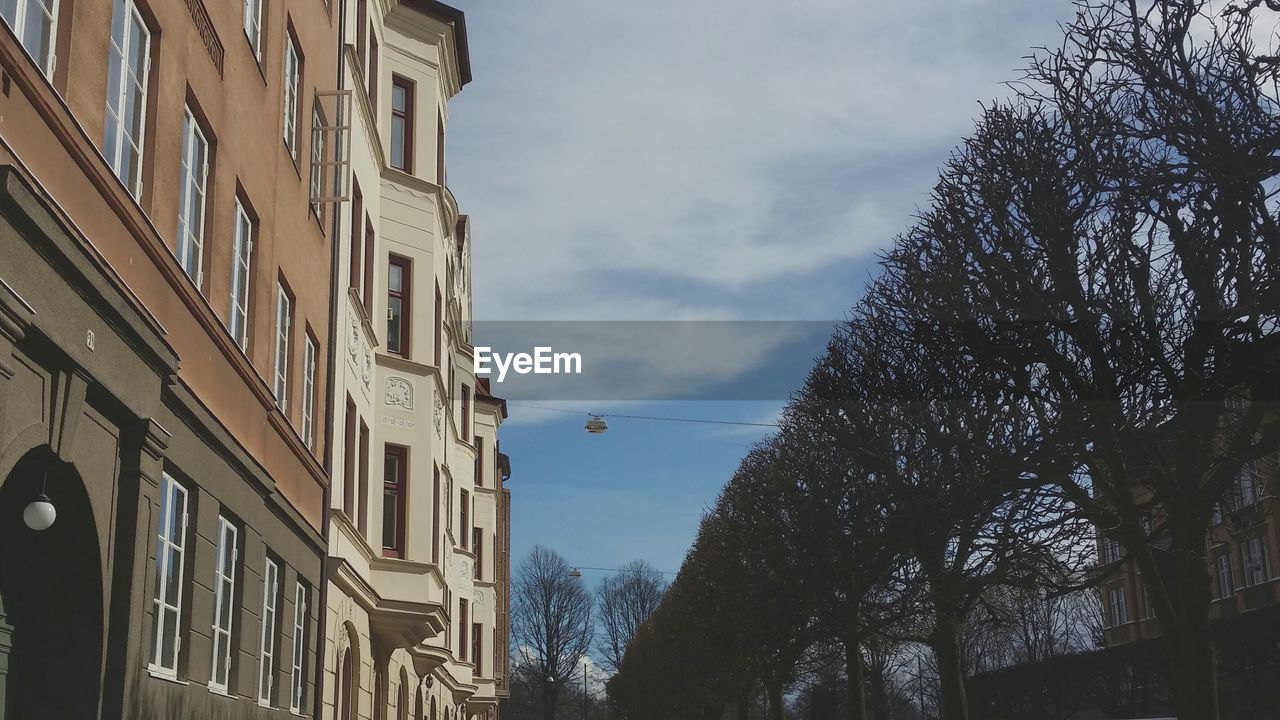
[(415, 613), (1242, 547)]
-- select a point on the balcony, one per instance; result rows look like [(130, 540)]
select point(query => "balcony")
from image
[(404, 598)]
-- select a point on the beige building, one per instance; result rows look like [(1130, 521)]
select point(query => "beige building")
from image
[(415, 607)]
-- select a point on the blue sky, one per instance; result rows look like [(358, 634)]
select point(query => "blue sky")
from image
[(676, 160)]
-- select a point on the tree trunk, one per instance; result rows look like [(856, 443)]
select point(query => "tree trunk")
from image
[(946, 648), (744, 708), (776, 711), (879, 694), (856, 686), (1192, 659), (548, 704)]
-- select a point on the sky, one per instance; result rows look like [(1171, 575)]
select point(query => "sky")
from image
[(712, 160)]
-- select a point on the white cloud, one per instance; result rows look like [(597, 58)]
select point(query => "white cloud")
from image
[(715, 144)]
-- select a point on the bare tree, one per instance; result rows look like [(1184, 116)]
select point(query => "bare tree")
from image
[(625, 600), (1107, 246), (551, 622)]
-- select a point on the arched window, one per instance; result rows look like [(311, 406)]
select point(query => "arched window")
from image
[(346, 686), (433, 710), (402, 705)]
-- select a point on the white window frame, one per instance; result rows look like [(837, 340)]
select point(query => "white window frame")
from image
[(241, 274), (1254, 561), (284, 322), (1226, 579), (1111, 550), (123, 49), (292, 72), (224, 598), (253, 26), (174, 498), (1117, 601), (194, 183), (317, 157), (297, 678), (309, 361), (18, 23), (267, 646)]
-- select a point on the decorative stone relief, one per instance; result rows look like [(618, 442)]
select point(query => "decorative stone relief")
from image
[(357, 341), (464, 569), (397, 391), (366, 372), (477, 598), (439, 417)]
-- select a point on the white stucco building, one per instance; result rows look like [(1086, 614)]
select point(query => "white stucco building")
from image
[(415, 613)]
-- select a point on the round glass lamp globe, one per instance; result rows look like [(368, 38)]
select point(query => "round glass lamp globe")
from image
[(40, 514)]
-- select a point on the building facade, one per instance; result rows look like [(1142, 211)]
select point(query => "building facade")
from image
[(415, 608), (1241, 549), (165, 302), (228, 486)]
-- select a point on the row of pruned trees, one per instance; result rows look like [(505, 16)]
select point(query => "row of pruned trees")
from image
[(1080, 331)]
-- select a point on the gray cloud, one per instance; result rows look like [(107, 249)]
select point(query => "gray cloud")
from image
[(721, 143)]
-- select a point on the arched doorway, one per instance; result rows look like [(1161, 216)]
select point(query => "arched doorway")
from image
[(346, 681), (50, 595)]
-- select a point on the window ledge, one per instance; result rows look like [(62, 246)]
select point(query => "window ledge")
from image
[(165, 675), (222, 692)]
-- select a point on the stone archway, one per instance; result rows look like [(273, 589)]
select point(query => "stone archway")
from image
[(50, 597)]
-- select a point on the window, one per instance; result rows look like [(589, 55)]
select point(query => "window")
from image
[(284, 319), (253, 25), (435, 514), (440, 149), (362, 497), (1254, 554), (1148, 608), (1226, 584), (357, 212), (401, 124), (270, 605), (224, 584), (298, 678), (466, 413), (1111, 552), (171, 554), (33, 22), (191, 194), (346, 699), (367, 295), (477, 546), (464, 521), (373, 76), (362, 22), (398, 283), (477, 631), (317, 156), (1247, 490), (349, 461), (241, 252), (463, 629), (479, 472), (439, 321), (310, 356), (394, 476), (292, 73), (129, 62), (1119, 611)]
